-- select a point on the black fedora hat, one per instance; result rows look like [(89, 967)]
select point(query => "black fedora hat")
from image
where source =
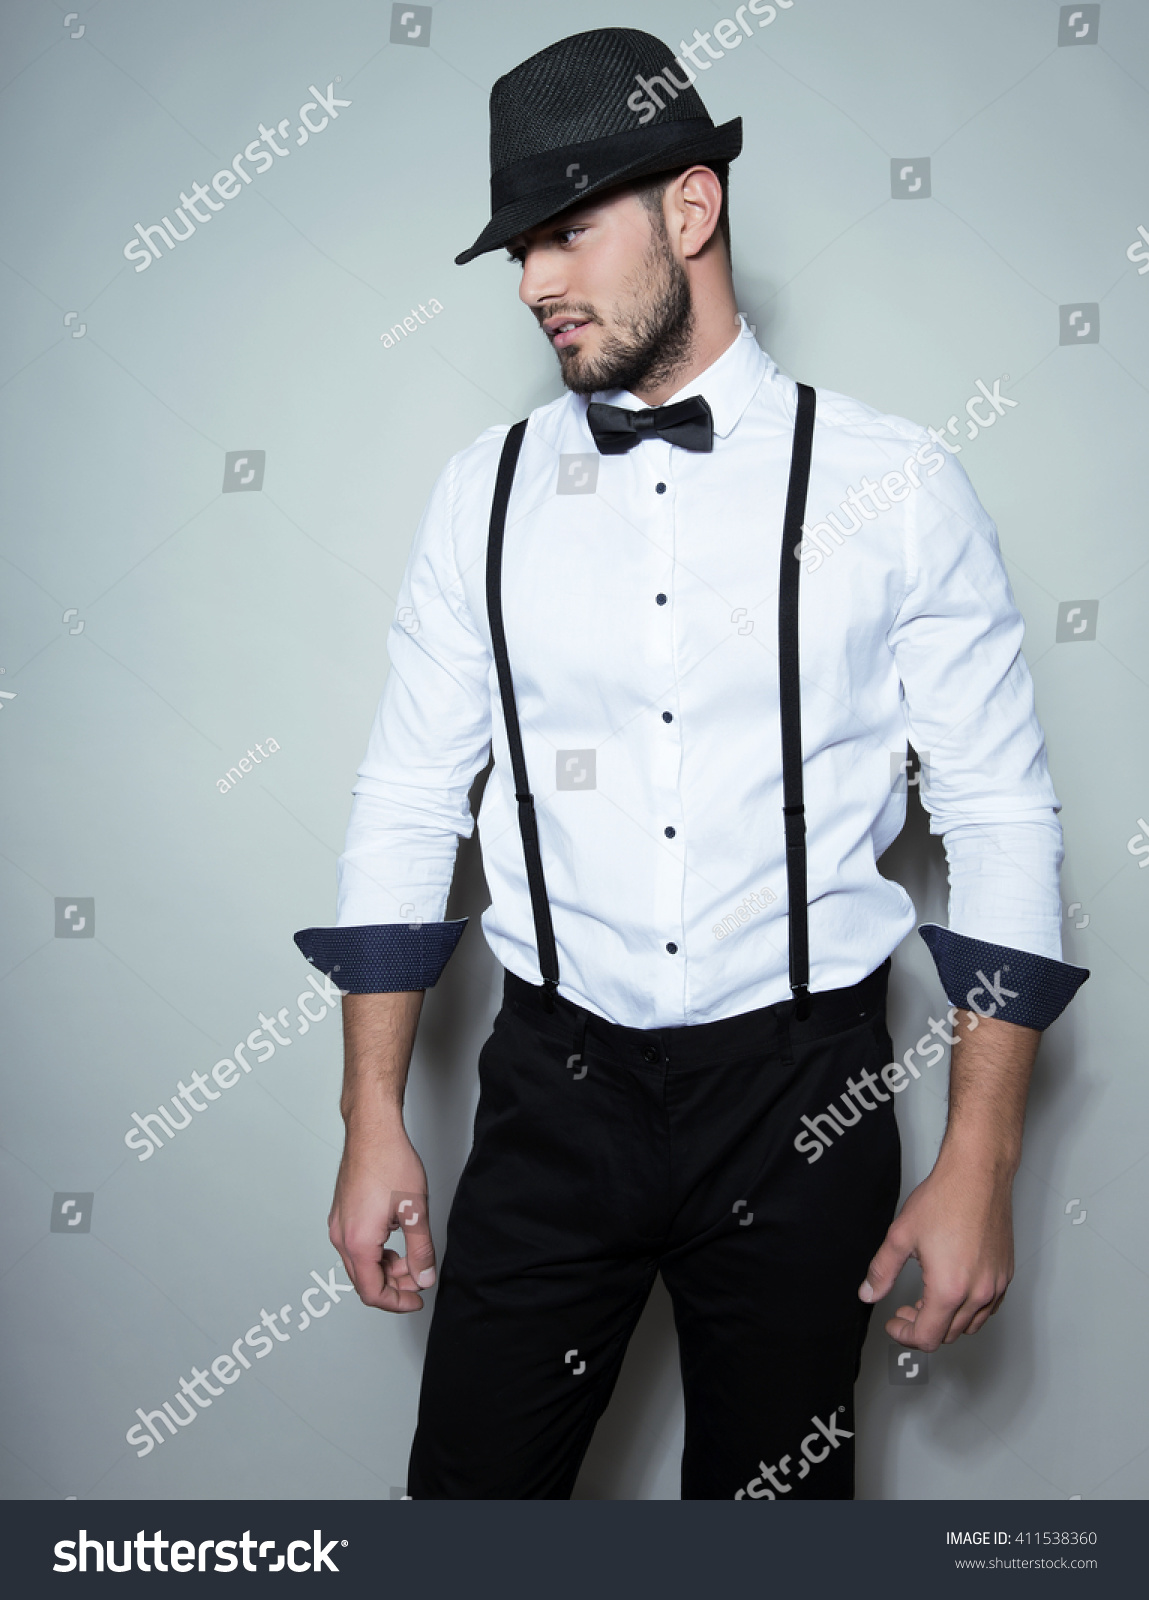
[(587, 113)]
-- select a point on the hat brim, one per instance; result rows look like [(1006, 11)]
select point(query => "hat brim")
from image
[(696, 145)]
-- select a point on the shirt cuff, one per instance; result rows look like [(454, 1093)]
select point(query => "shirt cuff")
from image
[(979, 977), (383, 958)]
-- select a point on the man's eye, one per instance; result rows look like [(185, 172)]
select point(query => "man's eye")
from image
[(567, 233)]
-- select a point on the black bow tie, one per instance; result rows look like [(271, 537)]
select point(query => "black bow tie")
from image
[(616, 430)]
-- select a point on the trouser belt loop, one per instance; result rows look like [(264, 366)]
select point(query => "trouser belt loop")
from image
[(577, 1061), (783, 1044)]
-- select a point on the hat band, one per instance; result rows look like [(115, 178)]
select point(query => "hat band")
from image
[(576, 166)]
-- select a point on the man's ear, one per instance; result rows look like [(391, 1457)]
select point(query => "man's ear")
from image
[(696, 196)]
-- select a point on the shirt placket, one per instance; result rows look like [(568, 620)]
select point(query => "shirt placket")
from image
[(667, 823)]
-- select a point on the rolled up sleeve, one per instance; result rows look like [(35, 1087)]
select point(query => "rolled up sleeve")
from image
[(410, 806), (969, 712)]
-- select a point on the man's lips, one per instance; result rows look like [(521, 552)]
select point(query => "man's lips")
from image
[(565, 330)]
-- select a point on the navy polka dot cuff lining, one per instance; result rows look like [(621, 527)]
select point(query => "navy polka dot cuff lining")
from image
[(384, 958), (995, 980)]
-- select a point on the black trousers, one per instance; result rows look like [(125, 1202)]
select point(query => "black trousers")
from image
[(603, 1155)]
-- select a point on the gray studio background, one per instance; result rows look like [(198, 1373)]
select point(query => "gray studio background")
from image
[(155, 627)]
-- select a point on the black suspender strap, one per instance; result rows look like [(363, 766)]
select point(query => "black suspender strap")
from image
[(528, 822), (793, 809)]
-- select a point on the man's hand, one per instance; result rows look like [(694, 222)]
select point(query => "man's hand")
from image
[(382, 1187), (958, 1224)]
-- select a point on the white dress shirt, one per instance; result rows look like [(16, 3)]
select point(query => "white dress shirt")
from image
[(641, 623)]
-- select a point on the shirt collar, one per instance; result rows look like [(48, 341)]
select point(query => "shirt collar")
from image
[(728, 384)]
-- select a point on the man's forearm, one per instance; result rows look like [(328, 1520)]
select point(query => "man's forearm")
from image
[(957, 1222), (378, 1038), (990, 1069), (380, 1172)]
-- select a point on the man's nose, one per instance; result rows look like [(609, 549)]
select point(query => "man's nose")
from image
[(541, 278)]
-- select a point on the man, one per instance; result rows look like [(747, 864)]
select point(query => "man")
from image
[(686, 1076)]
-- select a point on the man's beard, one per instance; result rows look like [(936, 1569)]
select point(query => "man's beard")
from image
[(654, 336)]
